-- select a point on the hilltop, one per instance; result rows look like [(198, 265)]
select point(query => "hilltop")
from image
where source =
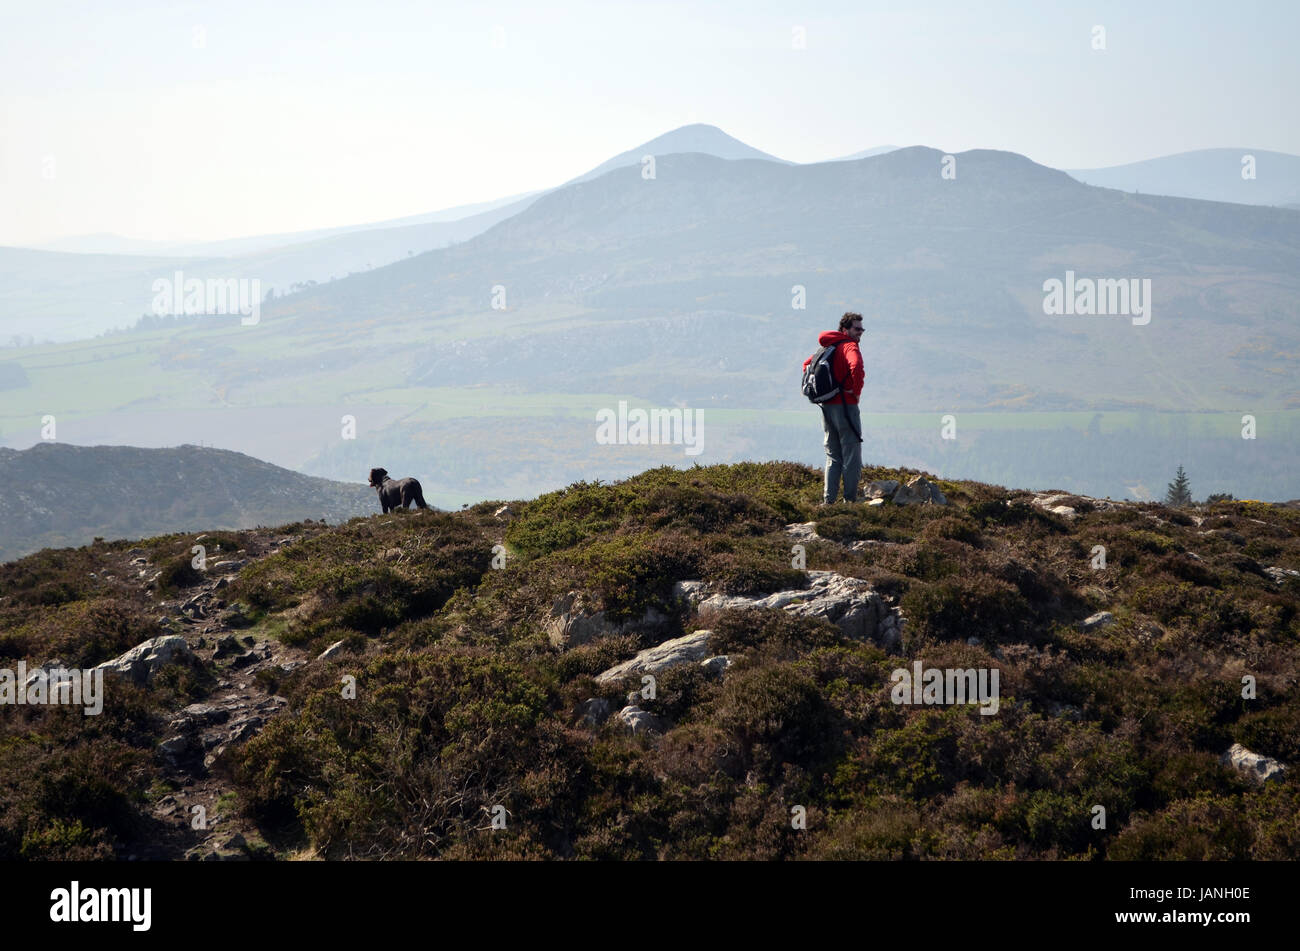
[(57, 494), (497, 658)]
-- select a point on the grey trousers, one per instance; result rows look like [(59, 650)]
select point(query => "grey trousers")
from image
[(843, 451)]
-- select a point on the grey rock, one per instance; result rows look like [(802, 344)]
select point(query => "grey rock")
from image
[(573, 622), (640, 721), (504, 512), (803, 531), (716, 666), (177, 747), (329, 653), (1096, 622), (245, 659), (233, 564), (226, 647), (595, 711), (881, 488), (690, 591), (850, 603), (691, 648), (1258, 769), (141, 662), (919, 491), (198, 716), (1281, 574)]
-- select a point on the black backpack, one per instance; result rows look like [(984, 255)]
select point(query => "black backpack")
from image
[(819, 383)]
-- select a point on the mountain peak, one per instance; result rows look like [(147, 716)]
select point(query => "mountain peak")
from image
[(697, 137)]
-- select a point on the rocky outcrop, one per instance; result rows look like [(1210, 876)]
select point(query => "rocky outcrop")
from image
[(1055, 502), (691, 648), (1258, 769), (919, 491), (142, 662), (572, 621), (207, 729), (849, 603)]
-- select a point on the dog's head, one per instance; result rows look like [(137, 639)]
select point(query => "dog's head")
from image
[(377, 477)]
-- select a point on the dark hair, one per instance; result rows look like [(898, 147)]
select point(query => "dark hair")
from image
[(848, 319)]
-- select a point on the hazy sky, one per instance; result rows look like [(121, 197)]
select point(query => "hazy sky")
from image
[(211, 120)]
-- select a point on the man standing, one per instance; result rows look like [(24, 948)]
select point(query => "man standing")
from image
[(841, 418)]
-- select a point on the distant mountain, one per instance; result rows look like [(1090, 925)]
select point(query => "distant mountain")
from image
[(61, 295), (1208, 174), (866, 153), (706, 289), (705, 139), (54, 495), (229, 247)]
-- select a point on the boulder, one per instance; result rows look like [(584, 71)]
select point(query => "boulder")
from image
[(692, 648), (640, 721), (850, 603), (716, 666), (692, 592), (226, 647), (572, 622), (141, 662), (178, 747), (594, 711), (1258, 769), (197, 716), (1281, 574), (1096, 622), (919, 491), (881, 488)]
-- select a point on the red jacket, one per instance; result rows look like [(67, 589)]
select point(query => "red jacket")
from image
[(846, 364)]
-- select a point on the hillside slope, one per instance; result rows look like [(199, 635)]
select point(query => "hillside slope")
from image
[(392, 688), (55, 494)]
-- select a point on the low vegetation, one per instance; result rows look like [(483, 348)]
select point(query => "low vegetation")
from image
[(466, 717)]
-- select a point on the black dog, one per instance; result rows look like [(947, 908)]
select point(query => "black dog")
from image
[(394, 493)]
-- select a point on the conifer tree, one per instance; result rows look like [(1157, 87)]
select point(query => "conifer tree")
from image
[(1179, 492)]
